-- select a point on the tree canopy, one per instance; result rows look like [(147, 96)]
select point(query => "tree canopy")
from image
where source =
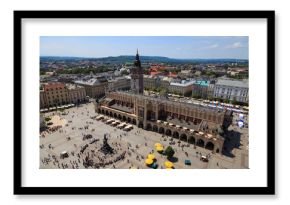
[(169, 152)]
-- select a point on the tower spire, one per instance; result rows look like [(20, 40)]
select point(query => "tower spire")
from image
[(137, 76), (137, 56)]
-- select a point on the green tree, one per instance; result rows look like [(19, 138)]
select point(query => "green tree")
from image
[(163, 91), (42, 72), (169, 152), (234, 101), (210, 98), (158, 89), (47, 119), (124, 72), (146, 72), (61, 109)]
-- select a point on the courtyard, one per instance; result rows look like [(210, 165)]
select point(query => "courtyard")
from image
[(131, 147)]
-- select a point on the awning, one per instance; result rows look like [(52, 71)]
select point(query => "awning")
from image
[(149, 161), (158, 144), (159, 149), (151, 156), (168, 164)]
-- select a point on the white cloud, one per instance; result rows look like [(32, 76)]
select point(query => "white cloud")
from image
[(212, 46), (235, 45)]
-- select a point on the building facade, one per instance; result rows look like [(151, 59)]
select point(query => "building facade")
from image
[(119, 83), (56, 94), (95, 87), (53, 94), (194, 124), (153, 82), (233, 90), (150, 82), (76, 93), (182, 88), (202, 89)]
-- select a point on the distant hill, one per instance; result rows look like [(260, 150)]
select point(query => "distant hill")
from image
[(125, 58)]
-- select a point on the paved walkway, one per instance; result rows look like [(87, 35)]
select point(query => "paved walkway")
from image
[(137, 142)]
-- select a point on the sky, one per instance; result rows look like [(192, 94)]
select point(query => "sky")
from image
[(182, 47)]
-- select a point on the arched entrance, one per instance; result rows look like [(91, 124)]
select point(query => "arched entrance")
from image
[(140, 124), (99, 110), (103, 111), (161, 130), (129, 120), (183, 137), (217, 150), (191, 140), (200, 143), (209, 146), (149, 127), (111, 114), (175, 135), (115, 115), (155, 128), (124, 118), (119, 117), (134, 121), (107, 113), (168, 132)]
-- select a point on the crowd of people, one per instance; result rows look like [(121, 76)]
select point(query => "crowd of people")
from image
[(127, 155)]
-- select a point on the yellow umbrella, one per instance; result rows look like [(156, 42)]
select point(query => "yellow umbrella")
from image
[(159, 149), (158, 145), (168, 164), (149, 161), (151, 156), (168, 168)]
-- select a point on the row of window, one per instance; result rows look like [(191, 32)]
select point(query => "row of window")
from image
[(57, 96), (56, 92), (52, 89), (60, 102), (227, 96), (218, 89)]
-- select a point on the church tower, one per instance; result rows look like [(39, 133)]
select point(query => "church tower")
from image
[(137, 76)]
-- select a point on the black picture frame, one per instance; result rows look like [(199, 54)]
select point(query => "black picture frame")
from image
[(268, 190)]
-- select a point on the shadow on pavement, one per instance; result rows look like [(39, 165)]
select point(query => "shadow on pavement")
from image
[(232, 140)]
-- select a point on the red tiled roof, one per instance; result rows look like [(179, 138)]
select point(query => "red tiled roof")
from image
[(153, 69), (154, 73), (172, 74), (54, 86), (157, 68)]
